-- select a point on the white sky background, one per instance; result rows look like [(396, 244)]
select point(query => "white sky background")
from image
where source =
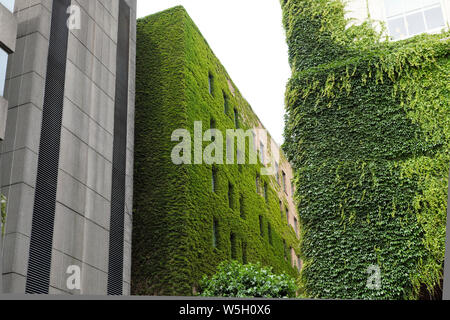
[(248, 38)]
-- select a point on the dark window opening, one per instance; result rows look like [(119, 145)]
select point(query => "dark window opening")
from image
[(233, 246), (226, 104), (230, 195), (269, 232), (284, 182), (236, 119), (244, 253), (296, 226), (257, 183), (211, 84), (214, 180), (241, 207), (261, 226), (266, 195), (215, 233)]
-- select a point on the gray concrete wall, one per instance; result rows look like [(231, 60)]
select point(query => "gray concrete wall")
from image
[(82, 217), (8, 33)]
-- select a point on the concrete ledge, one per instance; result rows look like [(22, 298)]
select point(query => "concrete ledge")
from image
[(3, 114), (8, 30)]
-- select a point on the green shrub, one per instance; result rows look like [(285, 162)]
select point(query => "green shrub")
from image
[(247, 281)]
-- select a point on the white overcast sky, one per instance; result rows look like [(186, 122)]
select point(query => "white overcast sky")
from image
[(248, 38)]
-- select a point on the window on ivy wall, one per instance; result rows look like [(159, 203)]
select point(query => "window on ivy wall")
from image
[(233, 246), (261, 226), (284, 249), (277, 173), (230, 195), (287, 215), (407, 18), (284, 182), (236, 119), (244, 252), (296, 226), (266, 195), (281, 208), (226, 103), (211, 83), (214, 180), (241, 207), (269, 232), (257, 183), (215, 230), (261, 152), (9, 4)]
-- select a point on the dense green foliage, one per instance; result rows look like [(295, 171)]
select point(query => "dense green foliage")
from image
[(368, 132), (247, 281), (176, 211)]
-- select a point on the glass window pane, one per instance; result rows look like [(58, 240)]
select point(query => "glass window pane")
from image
[(397, 28), (393, 7), (435, 18), (3, 65), (416, 24), (9, 4), (430, 2), (411, 5)]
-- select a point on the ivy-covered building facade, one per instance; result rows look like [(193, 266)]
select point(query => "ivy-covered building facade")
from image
[(367, 131), (188, 218)]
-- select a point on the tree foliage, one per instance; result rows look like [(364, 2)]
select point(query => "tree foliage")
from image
[(368, 131), (247, 281)]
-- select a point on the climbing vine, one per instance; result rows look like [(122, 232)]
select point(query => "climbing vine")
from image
[(367, 129), (183, 228)]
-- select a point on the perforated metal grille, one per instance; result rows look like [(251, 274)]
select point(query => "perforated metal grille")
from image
[(116, 235), (39, 263)]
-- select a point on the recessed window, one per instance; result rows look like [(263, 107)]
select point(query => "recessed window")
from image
[(269, 232), (244, 252), (407, 18), (211, 84), (236, 119), (262, 152), (230, 196), (241, 207), (233, 246), (281, 208), (266, 195), (226, 103), (3, 66), (261, 226), (257, 181), (287, 215), (296, 226), (215, 232), (284, 182), (277, 172), (214, 180)]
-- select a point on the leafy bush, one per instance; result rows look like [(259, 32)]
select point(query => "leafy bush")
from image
[(247, 281)]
